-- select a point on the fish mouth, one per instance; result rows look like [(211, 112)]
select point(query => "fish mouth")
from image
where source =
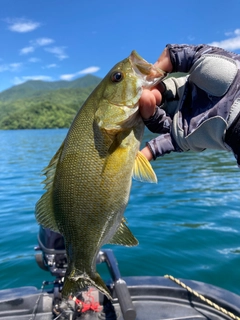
[(147, 72)]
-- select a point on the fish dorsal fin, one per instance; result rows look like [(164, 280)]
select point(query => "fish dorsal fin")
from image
[(44, 208), (142, 170), (124, 236)]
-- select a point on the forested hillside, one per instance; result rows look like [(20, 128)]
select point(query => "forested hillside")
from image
[(40, 104)]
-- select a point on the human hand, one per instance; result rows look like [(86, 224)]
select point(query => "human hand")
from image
[(152, 98)]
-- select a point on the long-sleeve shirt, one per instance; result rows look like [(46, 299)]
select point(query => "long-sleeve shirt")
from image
[(198, 108)]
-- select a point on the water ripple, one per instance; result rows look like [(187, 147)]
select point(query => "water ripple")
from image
[(187, 224)]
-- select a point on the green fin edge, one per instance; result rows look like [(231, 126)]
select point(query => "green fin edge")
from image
[(44, 211), (142, 170), (124, 236)]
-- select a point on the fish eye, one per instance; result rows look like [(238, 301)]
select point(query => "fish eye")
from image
[(117, 76)]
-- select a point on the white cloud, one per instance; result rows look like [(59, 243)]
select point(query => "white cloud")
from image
[(89, 70), (22, 25), (59, 52), (232, 33), (229, 44), (12, 67), (27, 50), (15, 66), (36, 43), (50, 66), (19, 80), (40, 77), (237, 32), (42, 42), (67, 77), (232, 43), (34, 60)]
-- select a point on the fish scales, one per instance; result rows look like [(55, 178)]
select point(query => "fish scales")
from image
[(89, 179)]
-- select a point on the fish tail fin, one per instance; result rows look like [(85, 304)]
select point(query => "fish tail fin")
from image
[(76, 282)]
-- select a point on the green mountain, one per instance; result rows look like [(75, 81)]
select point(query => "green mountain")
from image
[(41, 104), (37, 87)]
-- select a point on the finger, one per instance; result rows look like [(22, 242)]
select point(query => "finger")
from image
[(147, 104), (157, 96)]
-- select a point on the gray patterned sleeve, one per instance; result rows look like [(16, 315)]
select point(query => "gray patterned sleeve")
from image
[(160, 123), (184, 56), (161, 145)]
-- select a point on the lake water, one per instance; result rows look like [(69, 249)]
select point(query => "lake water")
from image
[(188, 225)]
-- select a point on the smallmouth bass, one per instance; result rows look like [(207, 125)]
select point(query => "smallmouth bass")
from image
[(88, 180)]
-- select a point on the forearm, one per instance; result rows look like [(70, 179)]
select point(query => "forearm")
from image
[(159, 122), (184, 56), (161, 145)]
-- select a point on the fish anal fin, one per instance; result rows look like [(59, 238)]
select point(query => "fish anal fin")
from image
[(124, 236), (44, 210), (142, 170)]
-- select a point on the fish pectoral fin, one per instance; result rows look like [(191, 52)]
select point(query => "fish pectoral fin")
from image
[(142, 170), (44, 208), (124, 236)]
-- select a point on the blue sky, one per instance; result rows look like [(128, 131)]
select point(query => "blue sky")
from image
[(65, 39)]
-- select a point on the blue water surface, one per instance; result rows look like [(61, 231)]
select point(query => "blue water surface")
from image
[(188, 225)]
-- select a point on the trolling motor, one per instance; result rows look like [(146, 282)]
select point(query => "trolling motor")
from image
[(53, 258)]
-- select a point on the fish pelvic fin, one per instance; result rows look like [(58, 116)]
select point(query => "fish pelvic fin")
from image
[(142, 170), (78, 281), (124, 236), (44, 211)]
